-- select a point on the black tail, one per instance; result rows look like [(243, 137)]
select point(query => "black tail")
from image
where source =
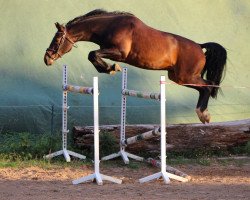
[(216, 57)]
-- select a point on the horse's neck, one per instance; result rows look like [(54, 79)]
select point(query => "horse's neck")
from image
[(77, 32), (85, 30)]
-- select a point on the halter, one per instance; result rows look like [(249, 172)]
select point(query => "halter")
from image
[(55, 51)]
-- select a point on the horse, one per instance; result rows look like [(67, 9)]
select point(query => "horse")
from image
[(122, 37)]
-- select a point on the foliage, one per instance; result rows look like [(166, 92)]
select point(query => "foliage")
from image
[(27, 146), (24, 146), (247, 148), (108, 144)]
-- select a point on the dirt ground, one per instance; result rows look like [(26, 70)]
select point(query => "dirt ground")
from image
[(216, 181)]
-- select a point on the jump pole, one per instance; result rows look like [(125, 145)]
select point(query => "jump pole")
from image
[(68, 88), (96, 175)]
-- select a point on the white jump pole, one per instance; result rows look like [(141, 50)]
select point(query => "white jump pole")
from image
[(165, 175), (96, 175), (68, 88)]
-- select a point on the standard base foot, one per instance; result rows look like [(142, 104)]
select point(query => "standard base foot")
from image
[(166, 177), (98, 177), (125, 155), (66, 153)]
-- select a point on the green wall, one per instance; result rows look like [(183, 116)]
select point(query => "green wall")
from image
[(29, 88)]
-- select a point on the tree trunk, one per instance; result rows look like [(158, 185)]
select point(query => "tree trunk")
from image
[(181, 137)]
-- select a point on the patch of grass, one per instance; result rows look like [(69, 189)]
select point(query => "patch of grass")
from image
[(26, 149), (119, 163), (247, 148), (204, 161), (27, 146), (108, 144), (224, 162), (43, 163), (4, 164), (235, 162), (180, 161), (134, 165), (240, 163)]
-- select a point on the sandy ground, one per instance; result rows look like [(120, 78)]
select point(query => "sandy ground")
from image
[(208, 182)]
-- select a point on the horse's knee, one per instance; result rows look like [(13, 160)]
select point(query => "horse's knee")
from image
[(92, 56)]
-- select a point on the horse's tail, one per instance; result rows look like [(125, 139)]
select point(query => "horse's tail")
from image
[(216, 56)]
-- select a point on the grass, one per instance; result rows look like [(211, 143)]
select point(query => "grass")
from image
[(205, 161), (42, 163), (25, 149), (18, 150), (134, 165)]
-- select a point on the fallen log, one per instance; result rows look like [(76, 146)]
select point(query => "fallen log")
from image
[(180, 137)]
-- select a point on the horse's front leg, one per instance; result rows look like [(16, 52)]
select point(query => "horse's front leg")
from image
[(95, 57)]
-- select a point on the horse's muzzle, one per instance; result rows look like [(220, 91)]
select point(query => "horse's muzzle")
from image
[(47, 60)]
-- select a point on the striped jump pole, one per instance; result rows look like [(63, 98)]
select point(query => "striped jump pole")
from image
[(68, 88), (144, 95), (78, 89), (123, 141), (140, 137), (96, 175)]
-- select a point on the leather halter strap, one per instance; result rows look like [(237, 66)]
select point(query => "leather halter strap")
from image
[(55, 51)]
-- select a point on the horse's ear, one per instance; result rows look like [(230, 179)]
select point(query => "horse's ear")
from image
[(59, 27)]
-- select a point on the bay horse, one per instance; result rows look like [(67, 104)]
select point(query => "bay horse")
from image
[(124, 38)]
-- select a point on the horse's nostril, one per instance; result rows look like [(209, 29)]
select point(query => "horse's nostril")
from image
[(48, 61)]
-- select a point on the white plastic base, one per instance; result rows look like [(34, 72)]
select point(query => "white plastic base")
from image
[(125, 155), (66, 153), (98, 177), (166, 177)]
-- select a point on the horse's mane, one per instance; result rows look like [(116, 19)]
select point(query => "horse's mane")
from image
[(93, 13)]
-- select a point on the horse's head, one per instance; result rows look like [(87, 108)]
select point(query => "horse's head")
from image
[(60, 45)]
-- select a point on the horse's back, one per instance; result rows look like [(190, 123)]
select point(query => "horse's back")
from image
[(146, 47), (164, 50), (151, 48)]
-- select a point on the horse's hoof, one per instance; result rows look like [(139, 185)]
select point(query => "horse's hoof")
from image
[(206, 116), (200, 115), (112, 72), (117, 67), (114, 68)]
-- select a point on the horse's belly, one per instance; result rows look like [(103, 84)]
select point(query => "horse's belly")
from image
[(150, 60)]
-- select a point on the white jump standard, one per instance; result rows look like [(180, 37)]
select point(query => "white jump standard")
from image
[(165, 175), (96, 175), (125, 92), (68, 88), (156, 132)]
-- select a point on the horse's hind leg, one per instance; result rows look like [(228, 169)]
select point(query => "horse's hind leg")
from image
[(198, 84), (204, 94), (201, 108), (95, 57)]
